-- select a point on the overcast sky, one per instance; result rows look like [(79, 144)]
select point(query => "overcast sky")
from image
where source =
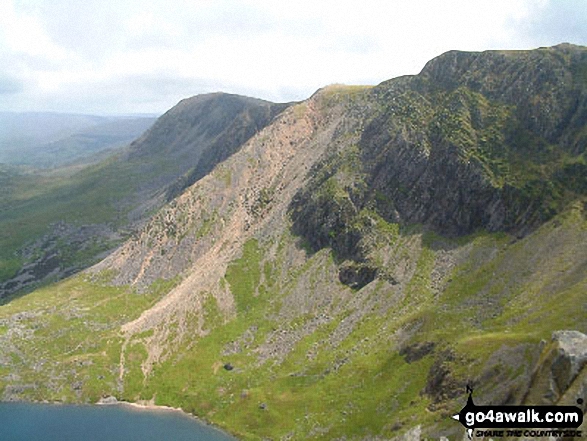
[(143, 56)]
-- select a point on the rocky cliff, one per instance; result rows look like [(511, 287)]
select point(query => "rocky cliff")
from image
[(490, 141)]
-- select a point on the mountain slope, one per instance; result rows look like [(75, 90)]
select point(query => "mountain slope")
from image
[(350, 269), (58, 222), (476, 141), (199, 133)]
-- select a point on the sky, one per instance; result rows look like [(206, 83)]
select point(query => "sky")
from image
[(143, 56)]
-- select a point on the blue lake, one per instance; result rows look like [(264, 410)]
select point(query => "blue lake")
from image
[(49, 422)]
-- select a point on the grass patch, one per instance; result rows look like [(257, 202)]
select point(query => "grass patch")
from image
[(71, 329), (244, 275)]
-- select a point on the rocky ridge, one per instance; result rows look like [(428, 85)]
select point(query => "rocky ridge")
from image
[(421, 150)]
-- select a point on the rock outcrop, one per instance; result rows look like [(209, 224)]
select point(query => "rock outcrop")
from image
[(561, 375)]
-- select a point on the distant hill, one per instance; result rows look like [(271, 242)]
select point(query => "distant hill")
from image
[(34, 127), (53, 139)]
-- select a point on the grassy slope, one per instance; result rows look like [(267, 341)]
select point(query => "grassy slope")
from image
[(87, 196), (67, 334), (333, 381), (103, 193)]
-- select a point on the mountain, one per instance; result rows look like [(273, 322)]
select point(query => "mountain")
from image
[(54, 223), (90, 144), (197, 134), (350, 268), (49, 140), (39, 127)]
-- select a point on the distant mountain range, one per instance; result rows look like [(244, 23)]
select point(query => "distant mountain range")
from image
[(347, 267), (53, 139)]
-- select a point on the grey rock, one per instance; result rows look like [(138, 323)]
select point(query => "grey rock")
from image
[(108, 400), (572, 357), (563, 360)]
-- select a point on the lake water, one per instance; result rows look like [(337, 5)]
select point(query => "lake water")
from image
[(49, 422)]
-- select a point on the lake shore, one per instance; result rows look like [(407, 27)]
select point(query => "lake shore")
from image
[(149, 405), (143, 404)]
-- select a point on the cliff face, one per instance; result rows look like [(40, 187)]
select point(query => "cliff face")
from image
[(391, 180), (230, 205), (490, 141), (546, 86), (356, 263), (468, 144)]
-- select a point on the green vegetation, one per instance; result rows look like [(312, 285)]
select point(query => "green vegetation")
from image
[(104, 193), (85, 197), (97, 203), (325, 385), (319, 395), (65, 343), (359, 386), (337, 94), (244, 276)]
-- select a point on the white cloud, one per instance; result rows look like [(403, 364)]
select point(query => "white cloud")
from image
[(24, 34), (84, 56)]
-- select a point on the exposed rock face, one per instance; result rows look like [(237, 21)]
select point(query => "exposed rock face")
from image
[(460, 147), (63, 251), (563, 362), (541, 84), (199, 133), (411, 435), (356, 275), (108, 400), (182, 146), (437, 157), (427, 149), (187, 142), (416, 351), (199, 233), (227, 204)]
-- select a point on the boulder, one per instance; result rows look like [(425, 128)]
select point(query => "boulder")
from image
[(561, 364)]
